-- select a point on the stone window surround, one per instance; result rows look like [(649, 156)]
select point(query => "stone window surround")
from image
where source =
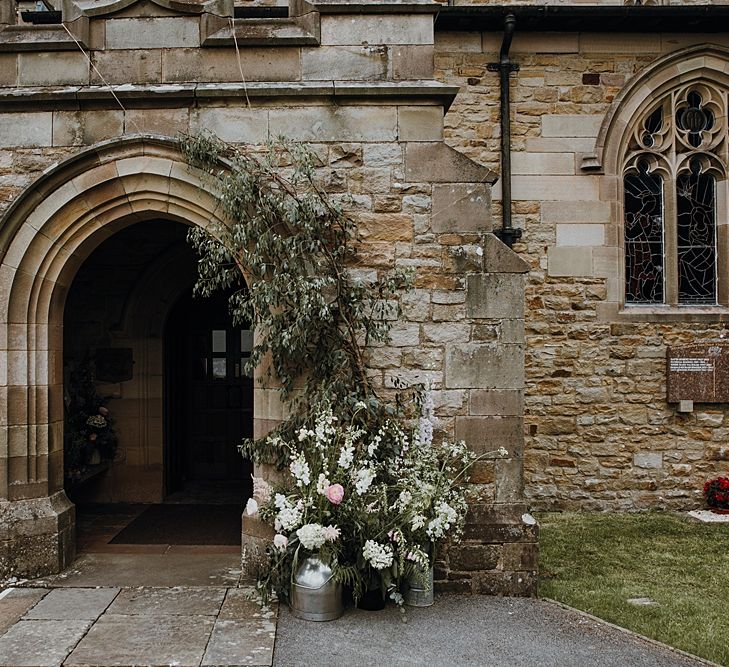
[(668, 161), (704, 63)]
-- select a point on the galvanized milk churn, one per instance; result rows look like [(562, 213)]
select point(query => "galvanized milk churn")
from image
[(315, 596), (419, 592)]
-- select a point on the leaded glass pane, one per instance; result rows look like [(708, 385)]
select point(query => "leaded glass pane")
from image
[(643, 237), (694, 118), (696, 231), (653, 124), (219, 336)]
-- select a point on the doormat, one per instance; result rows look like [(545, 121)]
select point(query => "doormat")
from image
[(184, 525)]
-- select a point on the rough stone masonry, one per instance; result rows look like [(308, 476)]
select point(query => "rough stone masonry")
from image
[(87, 148)]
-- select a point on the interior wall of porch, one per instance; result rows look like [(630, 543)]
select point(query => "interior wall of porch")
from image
[(120, 299)]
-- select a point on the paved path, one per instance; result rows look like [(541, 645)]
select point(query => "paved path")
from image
[(478, 631), (187, 610), (113, 627)]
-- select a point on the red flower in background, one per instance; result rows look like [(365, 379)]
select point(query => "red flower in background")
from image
[(716, 493)]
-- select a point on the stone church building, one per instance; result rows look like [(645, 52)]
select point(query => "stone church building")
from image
[(555, 172)]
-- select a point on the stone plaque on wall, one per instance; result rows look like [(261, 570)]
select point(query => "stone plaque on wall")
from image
[(698, 373)]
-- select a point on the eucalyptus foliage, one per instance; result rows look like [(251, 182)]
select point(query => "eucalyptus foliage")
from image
[(295, 248)]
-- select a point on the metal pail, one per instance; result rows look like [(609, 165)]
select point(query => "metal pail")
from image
[(315, 596), (416, 595)]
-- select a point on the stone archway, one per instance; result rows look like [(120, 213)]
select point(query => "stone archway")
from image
[(44, 239)]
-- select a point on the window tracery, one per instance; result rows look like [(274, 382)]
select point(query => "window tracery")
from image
[(674, 173)]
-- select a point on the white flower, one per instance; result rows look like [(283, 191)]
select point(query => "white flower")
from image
[(289, 516), (503, 452), (445, 517), (311, 536), (251, 507), (303, 434), (404, 499), (324, 428), (372, 447), (427, 420), (300, 470), (280, 501), (280, 541), (346, 456), (322, 484), (377, 555), (417, 522), (425, 431), (363, 478), (332, 533)]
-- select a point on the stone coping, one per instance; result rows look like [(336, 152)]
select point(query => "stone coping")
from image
[(12, 98), (17, 38), (665, 314), (266, 32)]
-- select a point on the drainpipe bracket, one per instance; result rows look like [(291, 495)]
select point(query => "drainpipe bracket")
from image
[(496, 67), (509, 235)]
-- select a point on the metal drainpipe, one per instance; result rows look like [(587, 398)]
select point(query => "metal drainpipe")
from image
[(505, 67)]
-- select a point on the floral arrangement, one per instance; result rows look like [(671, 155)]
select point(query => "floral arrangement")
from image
[(373, 504), (365, 486), (89, 434), (716, 492)]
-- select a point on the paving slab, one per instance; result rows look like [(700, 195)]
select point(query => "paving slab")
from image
[(14, 602), (177, 601), (134, 570), (480, 631), (243, 603), (73, 604), (128, 641), (40, 643), (707, 516), (235, 643)]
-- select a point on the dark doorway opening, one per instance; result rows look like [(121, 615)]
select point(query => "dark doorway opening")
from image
[(209, 398), (169, 368)]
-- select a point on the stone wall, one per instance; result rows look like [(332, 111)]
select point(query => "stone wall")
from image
[(599, 432), (354, 81)]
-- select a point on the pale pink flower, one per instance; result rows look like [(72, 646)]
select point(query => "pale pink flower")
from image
[(103, 411), (335, 493), (280, 541), (251, 507), (331, 533)]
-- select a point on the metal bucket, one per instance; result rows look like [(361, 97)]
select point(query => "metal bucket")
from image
[(315, 596), (416, 595)]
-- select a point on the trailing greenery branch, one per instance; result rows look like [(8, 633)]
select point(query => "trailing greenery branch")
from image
[(295, 247)]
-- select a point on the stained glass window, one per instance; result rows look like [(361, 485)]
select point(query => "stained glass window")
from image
[(672, 171), (696, 232), (643, 237)]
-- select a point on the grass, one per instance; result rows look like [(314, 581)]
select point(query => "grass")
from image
[(596, 562)]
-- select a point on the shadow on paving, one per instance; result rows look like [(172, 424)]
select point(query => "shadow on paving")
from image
[(483, 631)]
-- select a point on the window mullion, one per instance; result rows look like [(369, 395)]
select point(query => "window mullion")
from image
[(670, 242)]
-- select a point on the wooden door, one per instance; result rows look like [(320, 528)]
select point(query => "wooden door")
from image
[(210, 398)]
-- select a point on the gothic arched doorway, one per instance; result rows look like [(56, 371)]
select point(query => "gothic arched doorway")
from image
[(48, 233), (161, 372)]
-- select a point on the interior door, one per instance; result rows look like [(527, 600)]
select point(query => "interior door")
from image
[(212, 405)]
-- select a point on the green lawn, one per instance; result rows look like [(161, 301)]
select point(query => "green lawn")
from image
[(595, 562)]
